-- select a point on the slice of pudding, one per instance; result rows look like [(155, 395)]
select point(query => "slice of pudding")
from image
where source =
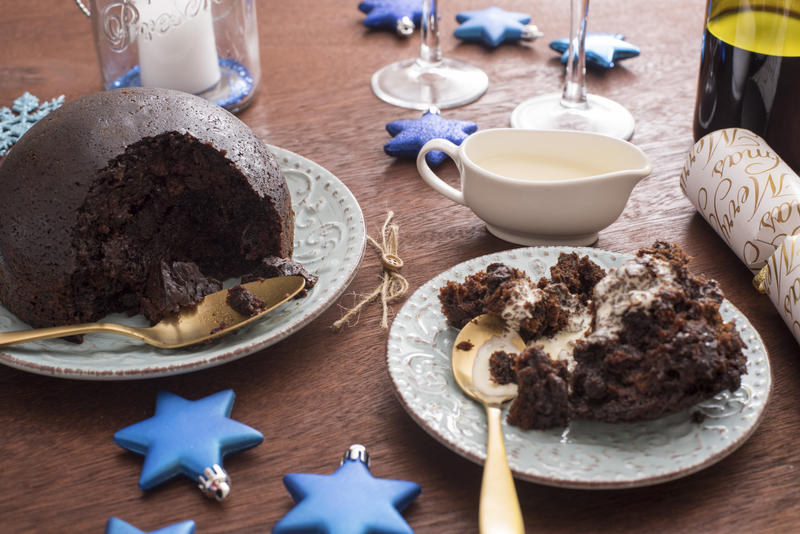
[(644, 340)]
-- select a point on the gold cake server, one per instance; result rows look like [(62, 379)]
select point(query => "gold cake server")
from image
[(499, 511), (211, 318)]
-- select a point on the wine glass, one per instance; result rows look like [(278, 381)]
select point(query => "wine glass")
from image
[(430, 79), (573, 109)]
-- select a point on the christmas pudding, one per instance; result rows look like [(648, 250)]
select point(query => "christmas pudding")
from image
[(135, 200), (641, 341)]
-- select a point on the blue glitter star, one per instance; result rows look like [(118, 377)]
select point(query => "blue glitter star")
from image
[(24, 113), (186, 437), (493, 26), (118, 526), (385, 14), (410, 134), (602, 49), (349, 501)]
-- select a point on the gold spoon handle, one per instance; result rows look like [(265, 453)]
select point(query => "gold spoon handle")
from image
[(499, 511), (23, 336)]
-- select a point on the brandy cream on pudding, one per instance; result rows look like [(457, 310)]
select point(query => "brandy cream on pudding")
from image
[(523, 297), (562, 345), (634, 285)]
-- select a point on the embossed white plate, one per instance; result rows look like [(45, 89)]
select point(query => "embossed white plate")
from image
[(329, 241), (585, 454)]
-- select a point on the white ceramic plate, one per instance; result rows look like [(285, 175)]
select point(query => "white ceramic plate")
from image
[(585, 454), (329, 241)]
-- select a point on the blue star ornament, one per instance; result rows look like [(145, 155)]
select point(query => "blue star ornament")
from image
[(118, 526), (190, 438), (349, 501), (602, 49), (395, 15), (493, 26), (411, 134)]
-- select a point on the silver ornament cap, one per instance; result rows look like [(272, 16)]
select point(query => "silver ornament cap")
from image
[(216, 484), (530, 32), (405, 26), (356, 452)]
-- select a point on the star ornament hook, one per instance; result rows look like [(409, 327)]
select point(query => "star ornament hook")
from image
[(216, 484), (530, 32), (405, 26)]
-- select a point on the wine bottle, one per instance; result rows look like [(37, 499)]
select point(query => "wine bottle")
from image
[(750, 72)]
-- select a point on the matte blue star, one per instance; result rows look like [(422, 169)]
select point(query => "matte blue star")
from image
[(410, 134), (491, 26), (602, 49), (186, 437), (384, 14), (349, 501), (118, 526)]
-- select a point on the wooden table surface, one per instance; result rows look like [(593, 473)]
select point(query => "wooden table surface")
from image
[(317, 392)]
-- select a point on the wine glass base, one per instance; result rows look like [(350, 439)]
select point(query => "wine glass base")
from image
[(601, 115), (414, 84)]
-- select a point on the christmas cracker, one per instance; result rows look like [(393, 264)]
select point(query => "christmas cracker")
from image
[(780, 279), (745, 191)]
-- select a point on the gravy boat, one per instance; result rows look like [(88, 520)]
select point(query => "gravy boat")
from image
[(541, 187)]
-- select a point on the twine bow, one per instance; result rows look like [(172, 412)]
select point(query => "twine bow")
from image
[(393, 285)]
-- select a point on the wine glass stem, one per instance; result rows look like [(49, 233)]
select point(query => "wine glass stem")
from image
[(574, 94), (429, 51)]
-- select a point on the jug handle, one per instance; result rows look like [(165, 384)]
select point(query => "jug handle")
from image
[(83, 8), (431, 178)]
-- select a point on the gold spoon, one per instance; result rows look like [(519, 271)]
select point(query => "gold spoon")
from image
[(499, 510), (211, 318)]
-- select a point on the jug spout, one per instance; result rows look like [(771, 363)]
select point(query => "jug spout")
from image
[(635, 175), (626, 160)]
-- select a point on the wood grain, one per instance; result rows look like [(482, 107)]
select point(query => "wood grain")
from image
[(314, 394)]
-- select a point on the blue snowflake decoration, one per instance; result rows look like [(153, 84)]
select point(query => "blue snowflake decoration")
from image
[(411, 135), (493, 26), (602, 49), (118, 526), (349, 501), (401, 16), (24, 113)]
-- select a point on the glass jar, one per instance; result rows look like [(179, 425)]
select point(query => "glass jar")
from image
[(205, 47)]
